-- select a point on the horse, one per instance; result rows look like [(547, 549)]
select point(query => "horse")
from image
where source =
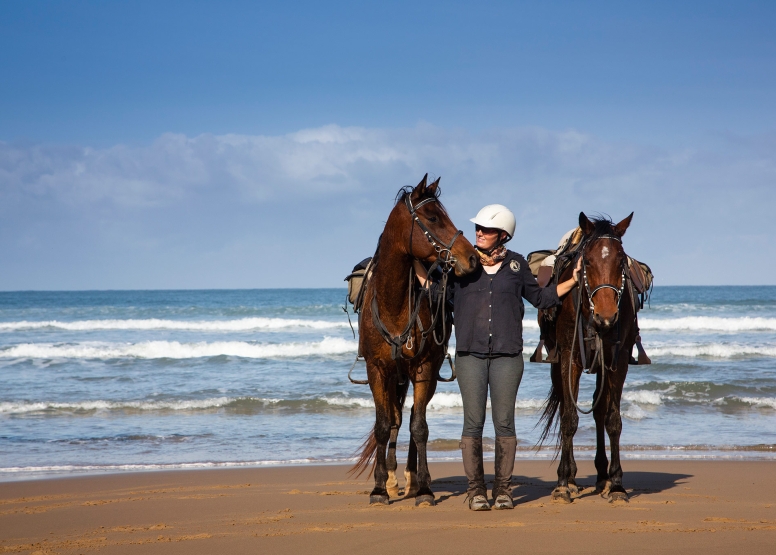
[(594, 329), (403, 334)]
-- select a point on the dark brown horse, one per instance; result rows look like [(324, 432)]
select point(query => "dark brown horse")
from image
[(403, 334), (594, 329)]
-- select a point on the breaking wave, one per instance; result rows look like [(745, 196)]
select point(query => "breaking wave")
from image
[(242, 324), (178, 350), (713, 350), (709, 323)]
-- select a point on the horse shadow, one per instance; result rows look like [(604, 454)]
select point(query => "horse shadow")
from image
[(533, 488)]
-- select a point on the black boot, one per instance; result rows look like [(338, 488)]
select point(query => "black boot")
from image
[(471, 451), (505, 464)]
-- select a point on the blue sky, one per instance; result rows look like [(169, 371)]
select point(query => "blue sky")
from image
[(243, 144)]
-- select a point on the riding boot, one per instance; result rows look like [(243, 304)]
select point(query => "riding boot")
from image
[(471, 451), (505, 463)]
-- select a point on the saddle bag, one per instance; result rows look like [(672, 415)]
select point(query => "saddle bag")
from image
[(356, 280)]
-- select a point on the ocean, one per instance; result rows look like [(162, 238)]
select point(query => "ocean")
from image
[(107, 381)]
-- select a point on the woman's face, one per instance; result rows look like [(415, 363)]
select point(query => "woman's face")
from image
[(487, 237)]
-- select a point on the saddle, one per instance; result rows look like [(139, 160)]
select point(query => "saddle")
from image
[(548, 265), (357, 281)]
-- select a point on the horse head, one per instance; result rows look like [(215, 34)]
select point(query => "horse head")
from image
[(603, 268), (429, 234)]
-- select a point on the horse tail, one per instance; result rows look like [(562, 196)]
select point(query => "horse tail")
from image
[(368, 449), (366, 455), (548, 414)]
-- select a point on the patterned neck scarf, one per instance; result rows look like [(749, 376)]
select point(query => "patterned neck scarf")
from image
[(496, 255)]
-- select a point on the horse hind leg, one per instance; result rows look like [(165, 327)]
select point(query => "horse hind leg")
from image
[(569, 421), (411, 485)]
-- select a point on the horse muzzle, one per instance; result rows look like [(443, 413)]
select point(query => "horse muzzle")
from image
[(605, 323)]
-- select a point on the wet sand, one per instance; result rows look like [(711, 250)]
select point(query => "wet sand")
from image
[(675, 506)]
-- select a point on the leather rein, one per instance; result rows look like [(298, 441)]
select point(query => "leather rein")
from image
[(445, 261)]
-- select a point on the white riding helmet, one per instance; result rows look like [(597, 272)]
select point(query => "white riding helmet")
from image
[(496, 216)]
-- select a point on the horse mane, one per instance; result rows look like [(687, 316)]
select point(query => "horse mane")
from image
[(603, 226), (407, 190)]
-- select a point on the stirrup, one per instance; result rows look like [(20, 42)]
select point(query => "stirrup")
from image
[(479, 503)]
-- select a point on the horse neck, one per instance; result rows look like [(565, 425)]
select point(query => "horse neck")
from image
[(391, 275)]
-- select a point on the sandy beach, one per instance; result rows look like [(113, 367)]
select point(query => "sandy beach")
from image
[(675, 506)]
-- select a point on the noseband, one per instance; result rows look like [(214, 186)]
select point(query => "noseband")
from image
[(445, 258), (617, 290)]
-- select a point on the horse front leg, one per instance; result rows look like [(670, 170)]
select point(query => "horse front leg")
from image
[(614, 429), (411, 470), (423, 391), (392, 484), (569, 421), (601, 461)]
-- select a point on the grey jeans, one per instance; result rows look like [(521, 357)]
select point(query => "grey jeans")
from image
[(503, 375)]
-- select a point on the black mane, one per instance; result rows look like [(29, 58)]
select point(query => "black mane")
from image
[(407, 190), (603, 226)]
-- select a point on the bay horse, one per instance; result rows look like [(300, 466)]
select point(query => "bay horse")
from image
[(595, 329), (403, 334)]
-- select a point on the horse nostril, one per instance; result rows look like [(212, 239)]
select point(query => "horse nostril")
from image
[(472, 261)]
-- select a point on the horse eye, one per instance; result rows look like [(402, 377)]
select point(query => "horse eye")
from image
[(433, 219)]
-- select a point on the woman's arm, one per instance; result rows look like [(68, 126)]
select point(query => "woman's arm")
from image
[(569, 284), (420, 272)]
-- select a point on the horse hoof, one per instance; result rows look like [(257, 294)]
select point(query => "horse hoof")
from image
[(561, 495), (378, 500), (393, 492), (618, 495), (602, 488), (425, 501), (574, 490)]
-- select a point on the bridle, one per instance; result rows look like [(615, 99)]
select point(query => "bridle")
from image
[(618, 291), (436, 302), (595, 336), (445, 259)]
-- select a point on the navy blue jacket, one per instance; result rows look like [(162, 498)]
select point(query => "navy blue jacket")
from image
[(489, 307)]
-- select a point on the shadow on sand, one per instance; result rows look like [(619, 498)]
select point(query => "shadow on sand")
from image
[(531, 488)]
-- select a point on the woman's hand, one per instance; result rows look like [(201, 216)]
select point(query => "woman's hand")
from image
[(569, 284), (577, 269)]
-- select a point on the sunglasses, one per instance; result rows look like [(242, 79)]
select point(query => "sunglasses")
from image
[(486, 230)]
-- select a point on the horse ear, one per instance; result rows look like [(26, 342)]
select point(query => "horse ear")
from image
[(421, 187), (433, 187), (585, 224), (620, 228)]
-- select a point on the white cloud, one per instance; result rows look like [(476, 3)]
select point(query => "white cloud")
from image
[(699, 199)]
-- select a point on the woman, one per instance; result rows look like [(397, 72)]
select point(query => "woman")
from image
[(488, 307)]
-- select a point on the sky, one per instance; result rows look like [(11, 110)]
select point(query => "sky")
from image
[(181, 145)]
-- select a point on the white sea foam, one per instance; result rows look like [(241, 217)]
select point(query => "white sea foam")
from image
[(714, 350), (709, 323), (763, 402), (178, 350), (355, 402), (68, 468), (102, 405), (242, 324), (634, 412), (643, 397)]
